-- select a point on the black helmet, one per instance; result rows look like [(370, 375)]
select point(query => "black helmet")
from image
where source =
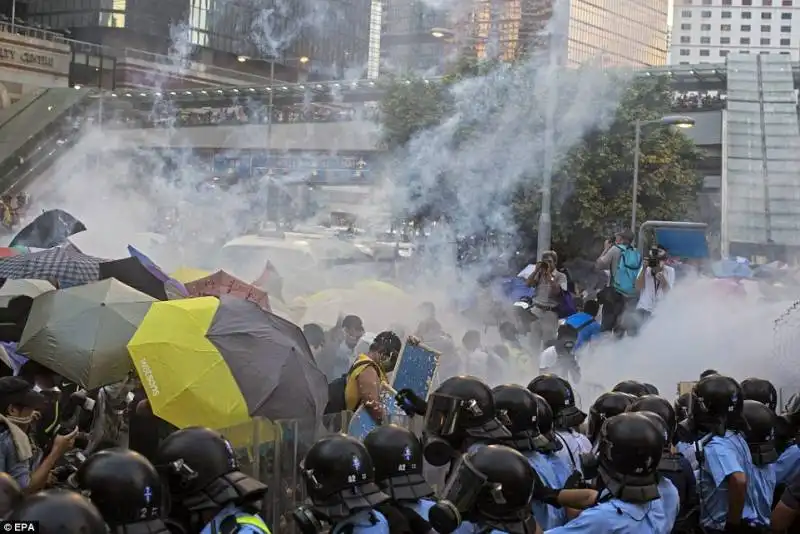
[(545, 423), (60, 511), (760, 432), (125, 488), (559, 395), (760, 390), (605, 406), (461, 408), (492, 486), (339, 477), (791, 411), (201, 470), (521, 409), (397, 457), (661, 407), (632, 387), (682, 406), (10, 494), (629, 451), (716, 404), (651, 389)]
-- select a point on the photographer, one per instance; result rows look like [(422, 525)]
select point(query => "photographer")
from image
[(655, 280), (548, 283), (623, 262)]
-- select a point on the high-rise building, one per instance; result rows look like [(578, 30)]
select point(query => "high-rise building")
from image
[(411, 37), (706, 31)]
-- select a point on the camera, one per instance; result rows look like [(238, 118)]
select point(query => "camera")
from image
[(654, 257)]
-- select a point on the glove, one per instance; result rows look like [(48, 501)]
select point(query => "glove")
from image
[(575, 481), (410, 403), (546, 494)]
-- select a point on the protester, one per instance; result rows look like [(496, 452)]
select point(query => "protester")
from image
[(623, 262), (368, 375)]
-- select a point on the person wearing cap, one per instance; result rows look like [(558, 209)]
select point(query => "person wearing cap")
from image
[(19, 404)]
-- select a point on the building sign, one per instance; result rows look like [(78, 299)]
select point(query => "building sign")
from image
[(34, 58)]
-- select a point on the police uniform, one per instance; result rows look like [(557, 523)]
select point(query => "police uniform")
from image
[(363, 522), (547, 516), (232, 520), (787, 468), (670, 500), (574, 444), (614, 515)]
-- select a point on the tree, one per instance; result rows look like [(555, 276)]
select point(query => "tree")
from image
[(593, 188)]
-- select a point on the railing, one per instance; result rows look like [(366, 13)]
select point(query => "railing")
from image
[(35, 33)]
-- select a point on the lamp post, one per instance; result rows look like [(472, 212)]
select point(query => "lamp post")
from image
[(680, 121)]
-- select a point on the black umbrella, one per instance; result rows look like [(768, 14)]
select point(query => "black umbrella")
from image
[(48, 230), (131, 272)]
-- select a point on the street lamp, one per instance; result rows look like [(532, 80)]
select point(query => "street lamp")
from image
[(679, 121), (442, 33)]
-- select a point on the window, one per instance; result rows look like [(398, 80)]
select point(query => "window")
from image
[(686, 13), (705, 27), (724, 40), (786, 29), (747, 2), (726, 14), (747, 15), (723, 53), (744, 41), (684, 52), (726, 2), (705, 53), (786, 16), (766, 28), (745, 27), (686, 26), (725, 27), (764, 41), (705, 40), (744, 51), (786, 42), (705, 14), (685, 39), (766, 15), (766, 2), (786, 3), (785, 53), (764, 52)]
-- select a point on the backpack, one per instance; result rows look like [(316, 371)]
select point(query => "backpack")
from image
[(336, 389), (624, 278), (566, 305)]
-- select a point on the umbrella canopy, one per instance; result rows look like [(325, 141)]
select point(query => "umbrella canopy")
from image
[(82, 333), (221, 283), (26, 288), (189, 274), (65, 265), (131, 272), (218, 362), (174, 288), (8, 252), (50, 229)]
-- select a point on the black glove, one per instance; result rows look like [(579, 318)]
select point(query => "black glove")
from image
[(575, 481), (546, 494), (410, 402)]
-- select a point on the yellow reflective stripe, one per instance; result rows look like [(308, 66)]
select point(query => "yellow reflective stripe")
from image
[(253, 521), (56, 418)]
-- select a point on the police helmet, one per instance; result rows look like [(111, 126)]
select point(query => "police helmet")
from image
[(632, 387), (760, 390), (201, 470), (339, 477), (681, 406), (716, 404), (605, 406), (125, 488), (10, 494), (559, 395), (759, 432), (629, 451), (492, 486), (651, 389), (397, 457), (661, 407), (521, 409), (60, 511), (545, 424)]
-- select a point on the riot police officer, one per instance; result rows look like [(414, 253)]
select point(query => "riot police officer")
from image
[(550, 448), (725, 466), (787, 468), (604, 407), (759, 432), (491, 487), (521, 408), (340, 483), (566, 416), (397, 458), (632, 387), (760, 390), (208, 492), (59, 511), (460, 414), (629, 450), (126, 489)]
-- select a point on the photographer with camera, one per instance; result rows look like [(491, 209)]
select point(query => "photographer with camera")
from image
[(549, 285), (655, 280)]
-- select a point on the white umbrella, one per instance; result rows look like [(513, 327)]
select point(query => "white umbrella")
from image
[(23, 288)]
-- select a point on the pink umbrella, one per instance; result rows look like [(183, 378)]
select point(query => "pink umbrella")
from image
[(221, 283)]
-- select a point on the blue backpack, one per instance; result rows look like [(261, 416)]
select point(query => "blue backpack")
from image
[(624, 279)]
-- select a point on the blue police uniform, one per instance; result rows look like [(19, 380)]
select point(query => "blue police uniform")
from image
[(246, 523), (614, 515), (363, 522), (689, 451), (723, 456), (574, 444), (670, 499), (546, 516), (787, 468), (760, 490)]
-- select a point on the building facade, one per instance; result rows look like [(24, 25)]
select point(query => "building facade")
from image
[(408, 43), (707, 31), (29, 62)]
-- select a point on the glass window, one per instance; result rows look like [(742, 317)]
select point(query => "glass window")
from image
[(786, 42), (686, 26), (766, 2), (723, 53), (786, 29), (725, 27), (764, 41), (744, 41), (706, 2), (766, 28), (766, 15), (705, 14), (705, 40), (684, 52), (747, 15), (705, 27), (745, 27), (786, 3), (786, 16), (686, 13), (724, 40), (747, 2), (705, 53), (726, 2), (685, 39), (726, 14)]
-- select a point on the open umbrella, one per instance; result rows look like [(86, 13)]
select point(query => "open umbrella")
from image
[(222, 283), (65, 265), (23, 288), (218, 362), (189, 274), (174, 288), (82, 333), (50, 229), (131, 272), (8, 252)]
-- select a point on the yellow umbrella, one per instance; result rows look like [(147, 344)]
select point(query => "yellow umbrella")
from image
[(379, 287), (185, 275)]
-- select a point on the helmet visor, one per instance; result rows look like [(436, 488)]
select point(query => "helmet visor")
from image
[(443, 414), (464, 486)]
